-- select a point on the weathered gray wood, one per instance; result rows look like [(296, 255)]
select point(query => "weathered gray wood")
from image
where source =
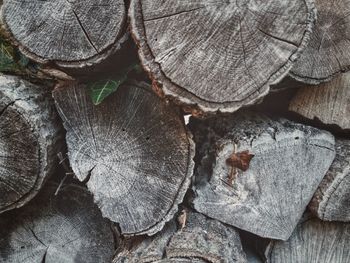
[(313, 241), (219, 55), (268, 195), (30, 138), (133, 150), (201, 240), (328, 102), (331, 201), (69, 33), (328, 51), (65, 228)]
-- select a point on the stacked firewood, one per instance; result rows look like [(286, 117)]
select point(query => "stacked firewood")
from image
[(231, 145)]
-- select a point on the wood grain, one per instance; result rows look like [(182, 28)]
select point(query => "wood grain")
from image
[(201, 240), (65, 228), (327, 102), (219, 55), (269, 198), (328, 51), (132, 150), (313, 241), (70, 33), (331, 201), (30, 138)]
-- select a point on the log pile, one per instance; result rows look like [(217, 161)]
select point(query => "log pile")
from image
[(227, 142)]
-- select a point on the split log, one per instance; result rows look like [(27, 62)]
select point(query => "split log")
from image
[(331, 201), (67, 33), (64, 228), (261, 173), (328, 102), (328, 51), (29, 140), (218, 55), (200, 240), (133, 151), (313, 241)]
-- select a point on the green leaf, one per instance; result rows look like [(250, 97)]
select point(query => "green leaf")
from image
[(7, 57), (103, 88)]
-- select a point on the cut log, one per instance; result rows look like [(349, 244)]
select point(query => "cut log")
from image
[(30, 136), (219, 55), (328, 102), (201, 240), (133, 150), (331, 201), (261, 173), (313, 241), (67, 33), (328, 51), (64, 228)]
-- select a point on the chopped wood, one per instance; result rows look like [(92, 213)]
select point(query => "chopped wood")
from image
[(30, 138), (133, 151), (64, 228), (269, 198), (327, 102), (331, 201), (219, 55), (201, 240), (68, 33)]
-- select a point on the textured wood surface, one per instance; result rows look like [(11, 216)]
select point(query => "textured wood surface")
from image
[(327, 102), (29, 140), (133, 150), (201, 240), (331, 201), (65, 228), (313, 241), (328, 52), (219, 55), (69, 33), (269, 198)]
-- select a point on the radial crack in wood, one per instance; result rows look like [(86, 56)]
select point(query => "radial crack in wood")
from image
[(331, 201), (69, 33), (327, 102), (328, 51), (30, 138), (201, 240), (219, 55), (136, 149), (313, 241), (64, 228), (269, 198)]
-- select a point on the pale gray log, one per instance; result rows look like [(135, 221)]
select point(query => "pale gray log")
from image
[(65, 228), (70, 33), (331, 201), (133, 150), (313, 241), (328, 102), (30, 138), (328, 51), (201, 240), (270, 197), (219, 55)]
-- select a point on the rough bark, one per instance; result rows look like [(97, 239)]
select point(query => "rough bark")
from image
[(313, 241), (328, 51), (268, 195), (331, 201), (68, 33), (64, 228), (328, 102), (219, 55), (201, 240), (29, 140), (133, 151)]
